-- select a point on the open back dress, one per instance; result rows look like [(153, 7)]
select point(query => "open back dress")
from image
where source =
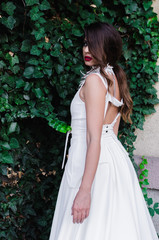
[(118, 209)]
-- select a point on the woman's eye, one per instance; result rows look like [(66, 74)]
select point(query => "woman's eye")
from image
[(85, 44)]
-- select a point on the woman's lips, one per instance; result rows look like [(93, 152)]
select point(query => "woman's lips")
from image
[(87, 58)]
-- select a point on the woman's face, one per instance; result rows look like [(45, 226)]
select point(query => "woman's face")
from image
[(87, 57)]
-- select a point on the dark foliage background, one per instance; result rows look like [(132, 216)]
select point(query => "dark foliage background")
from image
[(40, 63)]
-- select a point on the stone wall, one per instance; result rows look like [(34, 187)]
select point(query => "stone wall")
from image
[(147, 144)]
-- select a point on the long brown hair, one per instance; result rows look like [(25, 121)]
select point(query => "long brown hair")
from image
[(105, 45)]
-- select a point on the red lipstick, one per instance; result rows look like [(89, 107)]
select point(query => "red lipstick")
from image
[(87, 58)]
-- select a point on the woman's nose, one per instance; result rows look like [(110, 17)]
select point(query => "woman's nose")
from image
[(86, 49)]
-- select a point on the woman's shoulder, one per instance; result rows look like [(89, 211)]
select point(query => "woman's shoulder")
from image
[(95, 82), (97, 76)]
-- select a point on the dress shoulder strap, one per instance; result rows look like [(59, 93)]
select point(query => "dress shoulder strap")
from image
[(115, 119)]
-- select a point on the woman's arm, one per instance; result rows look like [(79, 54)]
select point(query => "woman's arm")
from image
[(94, 96)]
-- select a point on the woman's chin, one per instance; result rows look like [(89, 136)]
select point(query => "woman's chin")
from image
[(89, 64)]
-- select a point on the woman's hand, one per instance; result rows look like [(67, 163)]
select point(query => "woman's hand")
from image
[(81, 206)]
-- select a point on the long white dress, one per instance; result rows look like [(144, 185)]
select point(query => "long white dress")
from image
[(118, 209)]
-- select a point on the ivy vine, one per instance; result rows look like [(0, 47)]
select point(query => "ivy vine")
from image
[(143, 181)]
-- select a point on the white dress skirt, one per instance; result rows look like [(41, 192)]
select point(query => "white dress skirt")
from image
[(118, 209)]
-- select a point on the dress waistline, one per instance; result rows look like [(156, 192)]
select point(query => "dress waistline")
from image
[(107, 128)]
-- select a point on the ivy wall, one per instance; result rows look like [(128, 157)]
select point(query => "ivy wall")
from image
[(40, 63)]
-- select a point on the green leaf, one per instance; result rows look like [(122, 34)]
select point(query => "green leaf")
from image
[(19, 100), (127, 54), (151, 211), (40, 33), (46, 57), (10, 22), (2, 64), (8, 7), (6, 158), (97, 2), (132, 7), (59, 68), (35, 14), (33, 61), (4, 171), (48, 72), (13, 207), (122, 29), (156, 210), (5, 145), (38, 92), (145, 173), (152, 101), (68, 43), (149, 201), (35, 50), (149, 111), (1, 91), (12, 127), (57, 46), (85, 14), (31, 2), (55, 53), (145, 182), (144, 190), (144, 160), (42, 222), (26, 46), (14, 143), (30, 211), (147, 37), (40, 44), (77, 32), (141, 177), (27, 86), (157, 68), (14, 60), (20, 83), (15, 69), (45, 5), (26, 97), (141, 166), (38, 73), (28, 72), (3, 235), (156, 205), (47, 46), (147, 4)]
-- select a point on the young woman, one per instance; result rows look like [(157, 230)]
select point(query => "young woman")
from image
[(100, 197)]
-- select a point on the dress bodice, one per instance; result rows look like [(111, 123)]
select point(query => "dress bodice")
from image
[(77, 108), (78, 111)]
